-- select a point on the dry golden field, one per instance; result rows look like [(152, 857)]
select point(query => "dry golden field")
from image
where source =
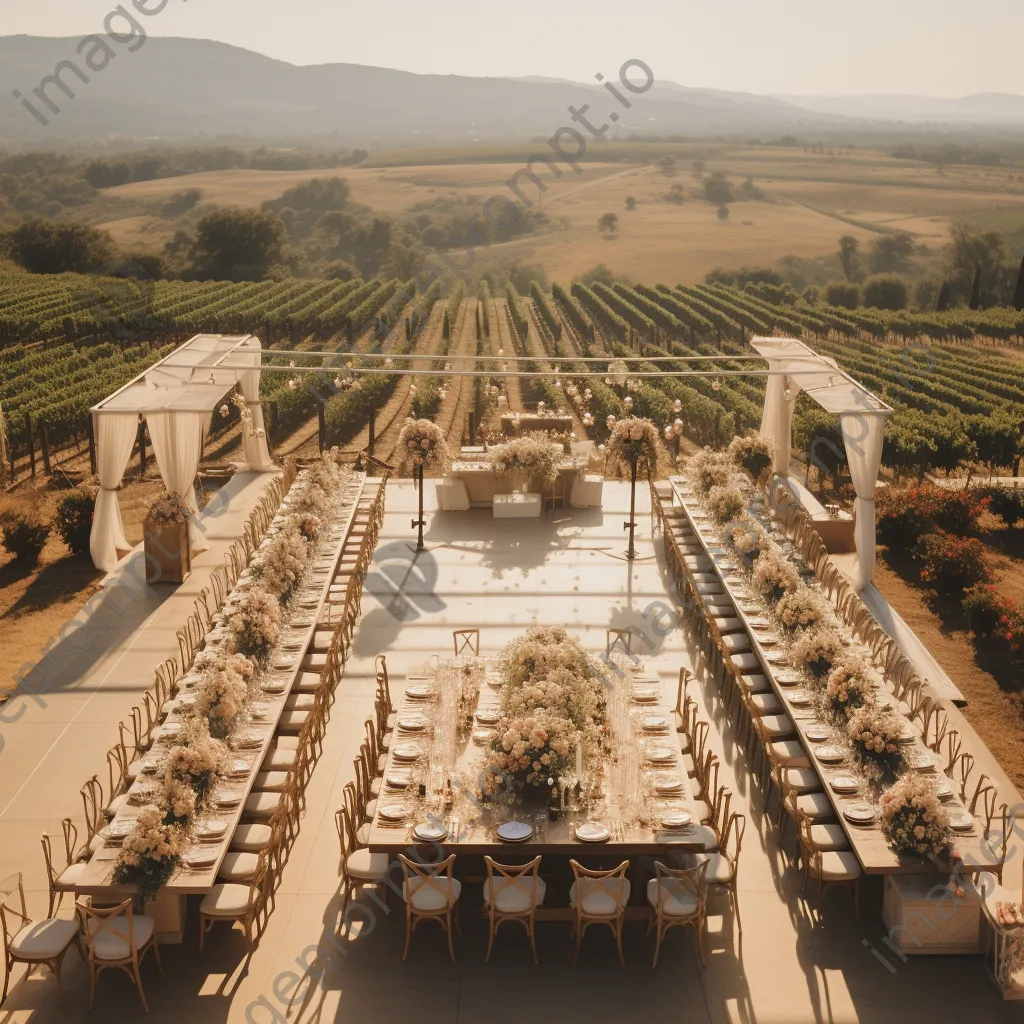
[(810, 199)]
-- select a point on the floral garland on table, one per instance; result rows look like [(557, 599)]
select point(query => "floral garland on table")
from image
[(553, 700), (532, 454), (196, 762), (709, 469), (746, 538), (422, 443), (283, 562), (221, 697), (169, 510), (913, 819), (724, 504), (850, 685), (817, 649), (773, 577), (802, 609), (150, 853), (634, 441), (875, 734), (256, 627), (753, 453)]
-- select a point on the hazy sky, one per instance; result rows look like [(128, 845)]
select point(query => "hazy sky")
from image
[(927, 47)]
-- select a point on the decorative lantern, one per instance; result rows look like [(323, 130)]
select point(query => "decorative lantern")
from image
[(292, 383), (677, 405)]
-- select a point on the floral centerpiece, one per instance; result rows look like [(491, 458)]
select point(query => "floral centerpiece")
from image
[(709, 469), (221, 696), (308, 526), (773, 577), (532, 455), (817, 649), (724, 504), (746, 538), (753, 453), (197, 761), (422, 443), (179, 801), (281, 565), (850, 685), (875, 734), (802, 609), (533, 750), (913, 819), (634, 442), (169, 510), (150, 853), (256, 626)]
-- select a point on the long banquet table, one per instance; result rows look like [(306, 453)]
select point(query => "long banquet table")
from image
[(250, 741), (471, 823), (867, 842)]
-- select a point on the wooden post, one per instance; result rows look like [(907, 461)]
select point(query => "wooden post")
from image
[(373, 429), (92, 445), (141, 438), (44, 443), (31, 443), (472, 427), (321, 417)]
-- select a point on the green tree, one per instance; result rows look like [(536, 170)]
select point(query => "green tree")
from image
[(238, 244), (891, 254), (1018, 292), (321, 194), (608, 223), (849, 248), (718, 189), (698, 169), (50, 247), (723, 213), (843, 293), (942, 303), (972, 250), (630, 203), (885, 292), (975, 302)]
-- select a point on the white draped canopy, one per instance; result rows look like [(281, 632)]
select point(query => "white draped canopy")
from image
[(176, 397), (795, 367)]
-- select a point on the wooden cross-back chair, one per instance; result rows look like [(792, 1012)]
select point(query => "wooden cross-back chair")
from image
[(599, 897), (512, 893), (466, 639), (431, 893), (624, 638), (677, 897)]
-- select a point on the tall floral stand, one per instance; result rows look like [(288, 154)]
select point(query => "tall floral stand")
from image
[(419, 523), (631, 524), (168, 551)]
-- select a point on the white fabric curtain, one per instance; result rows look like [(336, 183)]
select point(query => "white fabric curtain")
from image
[(254, 449), (115, 437), (178, 445), (863, 435), (777, 420)]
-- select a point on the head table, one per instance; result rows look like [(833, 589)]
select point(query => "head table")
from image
[(429, 751)]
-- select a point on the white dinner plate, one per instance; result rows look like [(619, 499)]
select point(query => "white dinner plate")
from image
[(488, 717), (407, 751), (212, 829), (399, 778), (429, 833), (646, 695), (676, 819), (413, 723), (228, 798), (665, 784), (845, 784), (259, 711), (830, 753), (393, 812), (960, 820), (419, 691), (859, 813), (817, 733), (655, 723), (118, 829), (799, 698), (483, 735), (593, 832), (661, 755)]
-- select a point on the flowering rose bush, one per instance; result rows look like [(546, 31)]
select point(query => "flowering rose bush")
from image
[(875, 734), (951, 564), (994, 617), (150, 853), (724, 504), (913, 819), (753, 453), (802, 609), (634, 441), (817, 649), (773, 577), (905, 515), (422, 443), (850, 685)]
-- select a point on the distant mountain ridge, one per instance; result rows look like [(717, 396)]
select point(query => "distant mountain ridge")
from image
[(175, 89), (980, 108)]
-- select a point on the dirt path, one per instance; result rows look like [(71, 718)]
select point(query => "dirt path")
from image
[(451, 417), (501, 340)]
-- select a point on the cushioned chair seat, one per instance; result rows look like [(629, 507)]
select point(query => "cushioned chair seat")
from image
[(790, 754), (292, 721), (238, 867), (744, 662), (514, 895), (279, 760), (720, 869), (815, 805), (432, 895), (271, 782), (755, 684), (734, 643), (262, 805), (300, 702), (252, 838), (839, 866), (226, 899), (729, 625), (778, 727), (766, 704), (110, 941), (600, 902), (115, 805), (43, 940), (365, 865), (307, 682), (71, 875), (675, 898), (829, 837), (803, 780)]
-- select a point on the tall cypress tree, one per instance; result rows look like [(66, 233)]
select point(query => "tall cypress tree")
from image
[(943, 304), (976, 288), (1018, 292)]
